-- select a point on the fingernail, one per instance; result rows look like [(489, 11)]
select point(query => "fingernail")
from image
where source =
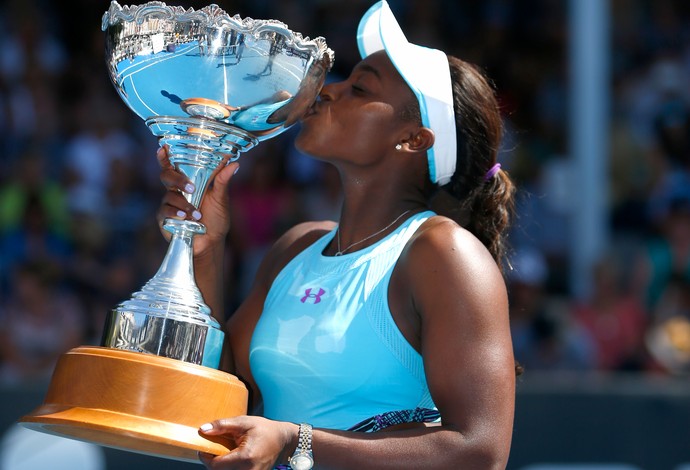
[(196, 215), (182, 214), (189, 188), (206, 427)]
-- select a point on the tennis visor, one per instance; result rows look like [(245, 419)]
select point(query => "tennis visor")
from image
[(427, 73)]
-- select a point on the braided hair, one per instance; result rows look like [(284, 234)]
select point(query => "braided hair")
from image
[(481, 202)]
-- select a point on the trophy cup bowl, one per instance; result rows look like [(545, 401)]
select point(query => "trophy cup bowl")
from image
[(209, 86)]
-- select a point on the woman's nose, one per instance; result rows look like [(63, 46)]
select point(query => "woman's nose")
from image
[(328, 92)]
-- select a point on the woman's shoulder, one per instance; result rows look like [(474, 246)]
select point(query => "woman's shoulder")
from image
[(450, 281), (305, 232), (440, 233), (442, 245), (291, 243)]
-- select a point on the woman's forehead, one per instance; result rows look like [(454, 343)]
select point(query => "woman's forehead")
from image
[(380, 65)]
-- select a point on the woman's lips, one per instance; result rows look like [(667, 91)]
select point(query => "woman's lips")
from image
[(311, 110)]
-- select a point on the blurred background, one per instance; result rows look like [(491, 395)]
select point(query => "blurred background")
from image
[(595, 96)]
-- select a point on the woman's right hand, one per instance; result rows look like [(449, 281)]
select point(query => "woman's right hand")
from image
[(214, 211)]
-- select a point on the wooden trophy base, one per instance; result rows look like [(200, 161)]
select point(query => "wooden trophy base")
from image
[(138, 402)]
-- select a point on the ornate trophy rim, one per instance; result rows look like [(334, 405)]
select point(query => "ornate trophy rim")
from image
[(212, 16)]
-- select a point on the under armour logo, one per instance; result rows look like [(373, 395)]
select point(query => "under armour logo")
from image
[(317, 296)]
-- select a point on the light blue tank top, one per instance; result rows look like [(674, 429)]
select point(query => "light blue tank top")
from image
[(326, 349)]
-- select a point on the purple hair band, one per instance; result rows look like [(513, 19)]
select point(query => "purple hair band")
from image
[(492, 172)]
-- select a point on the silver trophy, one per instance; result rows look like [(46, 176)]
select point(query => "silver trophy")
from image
[(209, 86)]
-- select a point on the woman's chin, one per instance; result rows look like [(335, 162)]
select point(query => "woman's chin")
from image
[(303, 143)]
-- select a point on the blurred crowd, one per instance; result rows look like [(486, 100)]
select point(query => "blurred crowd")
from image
[(79, 180)]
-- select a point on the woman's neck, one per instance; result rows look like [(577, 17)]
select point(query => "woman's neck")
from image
[(370, 206)]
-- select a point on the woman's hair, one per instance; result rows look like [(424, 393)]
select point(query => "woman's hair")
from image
[(484, 207)]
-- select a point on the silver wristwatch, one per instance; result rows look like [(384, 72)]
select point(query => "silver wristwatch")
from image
[(303, 459)]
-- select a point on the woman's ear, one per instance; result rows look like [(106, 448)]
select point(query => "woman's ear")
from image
[(421, 141)]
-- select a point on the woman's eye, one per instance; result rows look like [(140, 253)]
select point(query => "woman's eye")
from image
[(357, 89)]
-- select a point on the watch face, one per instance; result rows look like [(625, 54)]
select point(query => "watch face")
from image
[(301, 462)]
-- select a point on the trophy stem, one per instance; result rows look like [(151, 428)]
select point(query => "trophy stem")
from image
[(178, 266), (168, 316)]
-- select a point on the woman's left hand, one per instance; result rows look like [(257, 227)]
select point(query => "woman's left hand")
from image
[(261, 443)]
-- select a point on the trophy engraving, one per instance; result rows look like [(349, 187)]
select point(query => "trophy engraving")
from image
[(209, 86)]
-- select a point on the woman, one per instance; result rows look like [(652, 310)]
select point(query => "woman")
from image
[(395, 319)]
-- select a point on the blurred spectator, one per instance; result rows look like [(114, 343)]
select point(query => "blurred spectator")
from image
[(27, 42), (615, 319), (667, 253), (87, 270), (89, 154), (33, 240), (668, 338), (672, 130), (674, 301), (32, 57), (29, 179), (544, 336), (38, 322), (544, 204), (126, 209)]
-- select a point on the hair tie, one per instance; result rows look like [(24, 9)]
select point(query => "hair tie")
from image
[(492, 172)]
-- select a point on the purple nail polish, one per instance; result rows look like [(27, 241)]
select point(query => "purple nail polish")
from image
[(196, 215)]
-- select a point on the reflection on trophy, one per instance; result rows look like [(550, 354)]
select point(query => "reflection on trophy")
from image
[(209, 86)]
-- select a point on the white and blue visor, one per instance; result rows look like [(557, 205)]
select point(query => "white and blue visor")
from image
[(427, 73)]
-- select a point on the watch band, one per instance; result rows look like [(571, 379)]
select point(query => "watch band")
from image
[(303, 459)]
